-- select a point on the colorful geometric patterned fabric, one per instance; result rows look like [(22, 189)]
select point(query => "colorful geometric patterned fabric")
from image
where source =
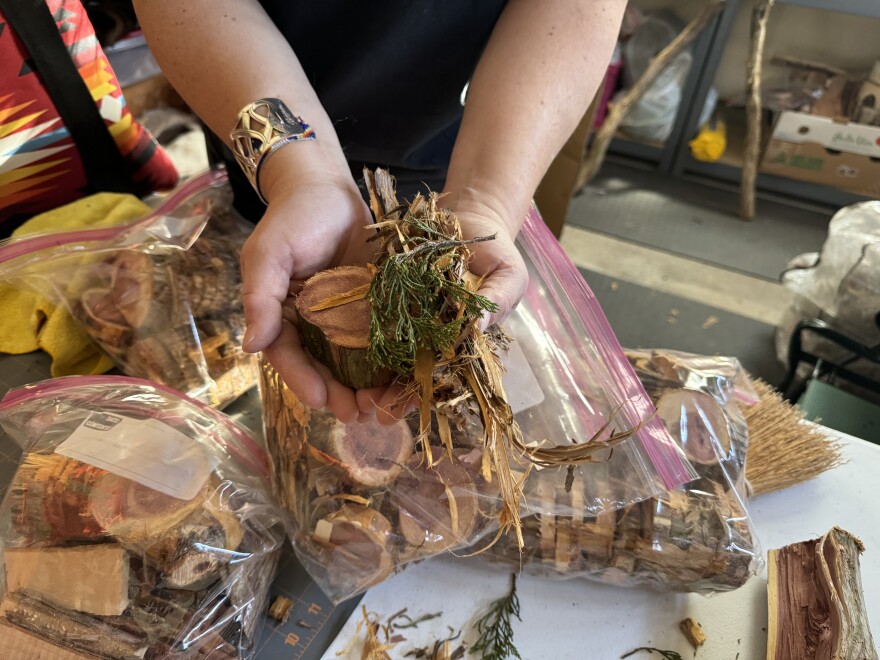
[(39, 165)]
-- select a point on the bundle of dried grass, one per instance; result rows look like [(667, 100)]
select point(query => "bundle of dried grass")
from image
[(784, 450)]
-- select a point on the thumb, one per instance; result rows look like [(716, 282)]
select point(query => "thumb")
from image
[(505, 287), (265, 284)]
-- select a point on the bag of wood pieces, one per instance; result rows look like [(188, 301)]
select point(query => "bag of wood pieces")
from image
[(696, 538), (139, 524), (161, 296), (551, 390)]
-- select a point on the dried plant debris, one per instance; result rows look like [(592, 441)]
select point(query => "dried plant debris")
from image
[(666, 655), (693, 632)]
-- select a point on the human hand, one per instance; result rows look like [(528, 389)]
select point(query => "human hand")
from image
[(313, 222)]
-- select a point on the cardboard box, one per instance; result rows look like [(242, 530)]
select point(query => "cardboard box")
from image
[(841, 154)]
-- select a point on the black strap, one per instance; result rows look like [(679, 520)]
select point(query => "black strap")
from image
[(105, 167)]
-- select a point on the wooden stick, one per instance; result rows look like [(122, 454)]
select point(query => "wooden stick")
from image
[(620, 109), (758, 34)]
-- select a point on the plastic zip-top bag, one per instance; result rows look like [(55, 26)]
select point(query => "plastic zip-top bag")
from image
[(696, 538), (366, 499), (139, 524), (161, 296)]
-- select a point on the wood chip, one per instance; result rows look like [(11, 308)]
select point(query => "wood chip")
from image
[(280, 609), (710, 321), (693, 632)]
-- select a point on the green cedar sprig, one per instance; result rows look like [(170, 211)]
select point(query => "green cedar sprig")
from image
[(495, 627), (417, 292)]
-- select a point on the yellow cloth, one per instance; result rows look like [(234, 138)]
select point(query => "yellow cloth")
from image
[(29, 322), (711, 142)]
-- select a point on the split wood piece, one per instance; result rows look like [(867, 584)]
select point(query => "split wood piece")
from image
[(355, 546), (784, 450), (621, 107), (134, 513), (371, 454), (815, 600), (48, 501), (697, 422), (437, 503), (69, 629), (249, 590), (693, 631), (22, 645), (595, 536), (339, 337), (91, 579), (757, 36), (701, 540), (280, 609)]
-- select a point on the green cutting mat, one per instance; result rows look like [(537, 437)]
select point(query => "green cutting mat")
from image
[(313, 623)]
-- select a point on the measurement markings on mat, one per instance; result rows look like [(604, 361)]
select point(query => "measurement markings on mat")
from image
[(313, 621)]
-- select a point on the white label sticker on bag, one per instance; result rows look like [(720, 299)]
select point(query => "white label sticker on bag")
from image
[(522, 388), (144, 450)]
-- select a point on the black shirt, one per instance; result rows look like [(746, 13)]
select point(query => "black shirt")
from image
[(390, 74)]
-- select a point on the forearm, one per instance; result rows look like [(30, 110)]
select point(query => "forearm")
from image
[(536, 78), (221, 55)]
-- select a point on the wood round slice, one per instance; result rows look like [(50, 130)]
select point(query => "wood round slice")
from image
[(693, 419), (356, 542), (338, 337), (437, 505), (371, 454)]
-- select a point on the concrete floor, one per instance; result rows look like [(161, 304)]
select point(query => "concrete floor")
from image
[(674, 267)]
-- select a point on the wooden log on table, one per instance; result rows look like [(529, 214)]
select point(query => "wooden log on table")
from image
[(815, 600)]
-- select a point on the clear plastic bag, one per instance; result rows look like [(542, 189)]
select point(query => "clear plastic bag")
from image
[(161, 296), (697, 538), (363, 499), (139, 524)]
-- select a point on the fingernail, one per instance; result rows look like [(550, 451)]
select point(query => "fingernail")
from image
[(249, 338)]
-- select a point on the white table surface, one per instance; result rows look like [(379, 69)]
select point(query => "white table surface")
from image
[(582, 620)]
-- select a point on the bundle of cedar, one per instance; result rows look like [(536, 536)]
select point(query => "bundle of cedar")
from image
[(366, 498), (104, 567)]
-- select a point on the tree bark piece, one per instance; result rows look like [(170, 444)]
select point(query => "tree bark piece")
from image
[(757, 36), (815, 601), (437, 504), (621, 107), (339, 336), (371, 455), (91, 579)]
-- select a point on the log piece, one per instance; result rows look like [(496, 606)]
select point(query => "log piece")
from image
[(815, 601), (437, 505), (355, 544), (23, 645), (338, 337), (371, 454), (92, 579)]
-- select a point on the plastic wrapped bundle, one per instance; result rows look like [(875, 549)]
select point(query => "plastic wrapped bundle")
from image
[(161, 296), (366, 499), (138, 525), (697, 538)]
